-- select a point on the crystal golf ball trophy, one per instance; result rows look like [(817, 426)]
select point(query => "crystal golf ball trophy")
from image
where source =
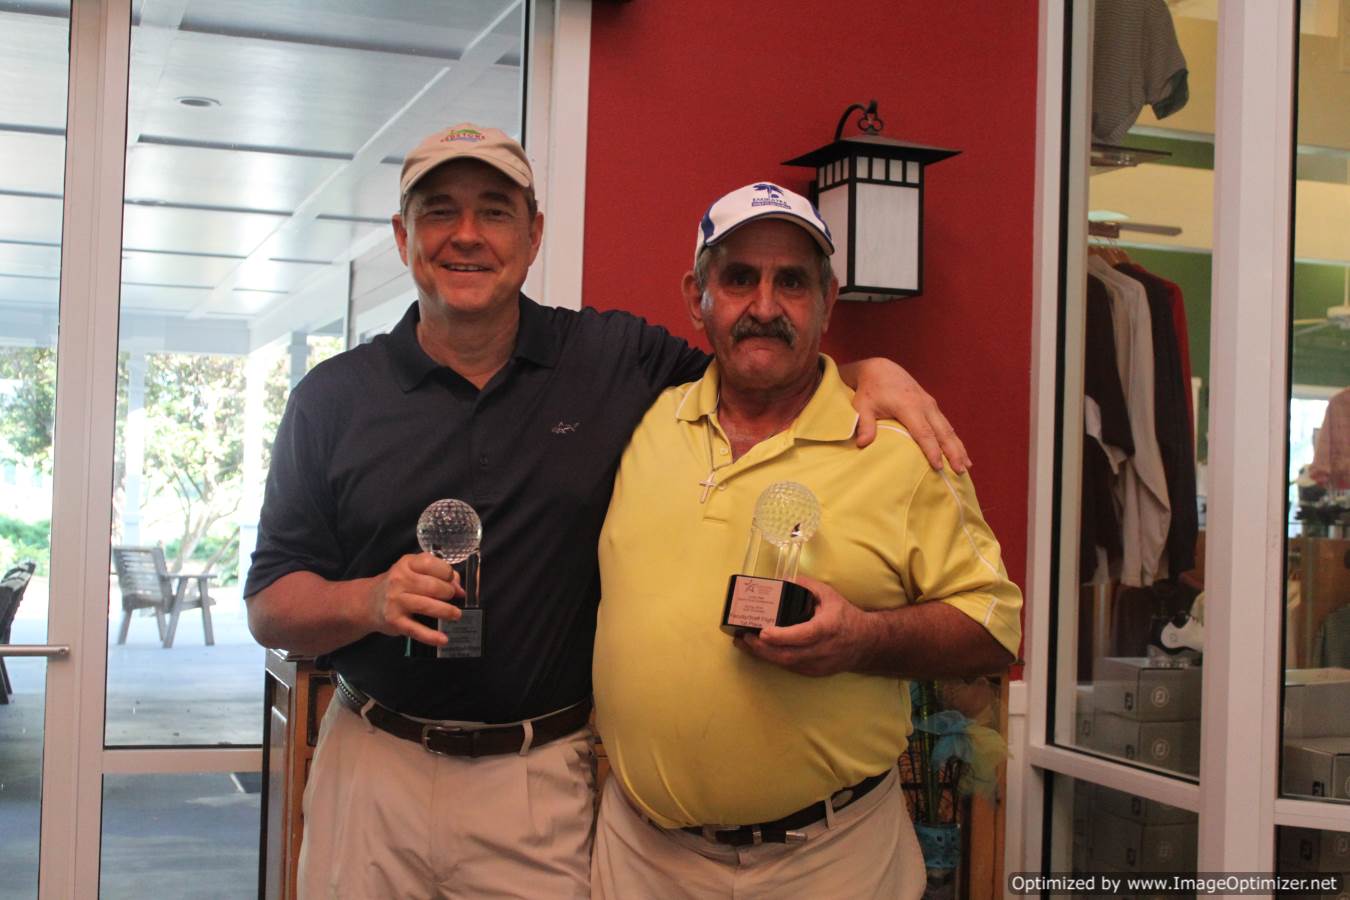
[(787, 514), (451, 530)]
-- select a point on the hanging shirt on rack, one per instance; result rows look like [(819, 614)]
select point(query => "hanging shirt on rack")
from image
[(1178, 304), (1101, 377), (1135, 60), (1141, 492), (1172, 422), (1107, 439)]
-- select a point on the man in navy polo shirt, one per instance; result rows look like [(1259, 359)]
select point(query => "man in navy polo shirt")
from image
[(463, 777)]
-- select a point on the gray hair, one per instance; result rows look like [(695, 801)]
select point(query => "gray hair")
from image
[(717, 252)]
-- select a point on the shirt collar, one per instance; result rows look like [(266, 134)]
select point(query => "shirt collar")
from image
[(829, 414), (535, 342)]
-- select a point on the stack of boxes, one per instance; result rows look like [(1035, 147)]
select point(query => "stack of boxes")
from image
[(1306, 850), (1317, 733), (1316, 764), (1119, 833), (1082, 716), (1150, 714), (1145, 713)]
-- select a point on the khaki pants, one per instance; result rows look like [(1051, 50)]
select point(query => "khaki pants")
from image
[(385, 818), (867, 850)]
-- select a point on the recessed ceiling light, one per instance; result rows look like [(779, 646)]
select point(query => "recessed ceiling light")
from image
[(198, 102)]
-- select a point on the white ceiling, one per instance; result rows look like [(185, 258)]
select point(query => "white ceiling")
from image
[(241, 214)]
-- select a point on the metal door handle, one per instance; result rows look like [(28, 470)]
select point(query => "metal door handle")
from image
[(47, 650)]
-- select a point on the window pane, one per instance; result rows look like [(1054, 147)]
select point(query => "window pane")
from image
[(1300, 850), (34, 40), (180, 836), (21, 733), (1096, 830), (1317, 596), (1137, 357), (264, 148), (34, 57)]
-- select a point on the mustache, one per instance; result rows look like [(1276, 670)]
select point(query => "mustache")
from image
[(778, 327)]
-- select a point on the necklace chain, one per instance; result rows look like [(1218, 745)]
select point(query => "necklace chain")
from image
[(710, 481)]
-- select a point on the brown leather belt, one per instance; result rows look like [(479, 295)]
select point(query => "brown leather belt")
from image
[(456, 740), (787, 830)]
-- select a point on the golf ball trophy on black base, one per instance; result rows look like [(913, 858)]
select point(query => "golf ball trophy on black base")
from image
[(787, 514), (452, 531)]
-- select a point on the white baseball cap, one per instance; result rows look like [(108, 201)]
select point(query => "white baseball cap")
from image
[(760, 200)]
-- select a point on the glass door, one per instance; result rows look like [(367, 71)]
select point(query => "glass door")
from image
[(33, 63), (225, 176), (1127, 693), (264, 147), (1233, 705)]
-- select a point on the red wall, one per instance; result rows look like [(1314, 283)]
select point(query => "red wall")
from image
[(691, 99)]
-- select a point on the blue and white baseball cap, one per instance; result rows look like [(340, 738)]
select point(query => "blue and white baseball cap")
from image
[(761, 200)]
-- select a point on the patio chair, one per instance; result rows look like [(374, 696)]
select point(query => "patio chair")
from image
[(145, 583), (12, 587)]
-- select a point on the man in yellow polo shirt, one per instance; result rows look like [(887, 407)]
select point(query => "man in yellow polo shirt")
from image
[(765, 765)]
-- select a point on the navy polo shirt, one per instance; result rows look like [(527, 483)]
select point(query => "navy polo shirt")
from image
[(371, 436)]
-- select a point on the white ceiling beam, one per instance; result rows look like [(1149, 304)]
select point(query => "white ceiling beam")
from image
[(151, 42), (322, 299), (390, 139)]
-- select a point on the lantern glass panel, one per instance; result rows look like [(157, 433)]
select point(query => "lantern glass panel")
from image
[(833, 206), (912, 172), (820, 178), (845, 161), (887, 252)]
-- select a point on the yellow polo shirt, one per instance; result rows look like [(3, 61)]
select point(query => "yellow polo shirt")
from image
[(703, 733)]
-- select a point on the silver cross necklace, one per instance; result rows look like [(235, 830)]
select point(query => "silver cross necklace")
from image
[(710, 481)]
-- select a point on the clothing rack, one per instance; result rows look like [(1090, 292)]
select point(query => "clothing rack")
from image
[(1112, 230), (1108, 157)]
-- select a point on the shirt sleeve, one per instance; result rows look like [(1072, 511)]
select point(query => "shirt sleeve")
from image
[(666, 360), (295, 528), (953, 557)]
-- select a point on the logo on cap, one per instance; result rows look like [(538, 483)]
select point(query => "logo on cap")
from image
[(465, 134), (774, 196)]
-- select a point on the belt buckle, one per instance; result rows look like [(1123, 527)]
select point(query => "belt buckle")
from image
[(429, 729)]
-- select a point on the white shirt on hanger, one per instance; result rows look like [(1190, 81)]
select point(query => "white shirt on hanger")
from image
[(1141, 492)]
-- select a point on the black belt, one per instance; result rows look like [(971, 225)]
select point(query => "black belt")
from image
[(787, 830), (456, 740)]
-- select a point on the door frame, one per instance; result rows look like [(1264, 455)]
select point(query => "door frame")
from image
[(74, 756), (1237, 796)]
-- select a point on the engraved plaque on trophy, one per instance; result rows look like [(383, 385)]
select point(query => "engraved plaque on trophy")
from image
[(787, 514), (452, 531)]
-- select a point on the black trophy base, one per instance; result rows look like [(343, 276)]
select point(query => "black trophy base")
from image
[(466, 637), (753, 603)]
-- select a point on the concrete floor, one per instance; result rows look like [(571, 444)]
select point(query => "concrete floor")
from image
[(166, 836)]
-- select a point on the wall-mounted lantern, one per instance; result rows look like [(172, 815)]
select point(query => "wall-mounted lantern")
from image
[(869, 190)]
